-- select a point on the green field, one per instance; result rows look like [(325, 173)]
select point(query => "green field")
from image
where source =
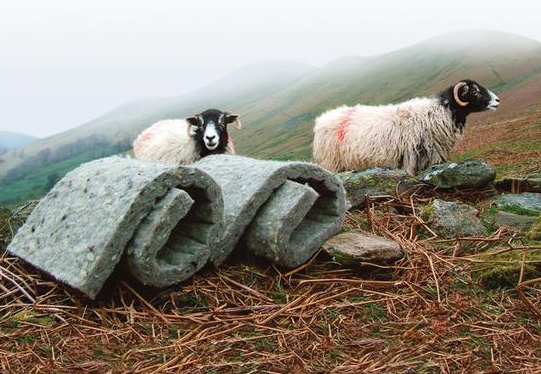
[(39, 182)]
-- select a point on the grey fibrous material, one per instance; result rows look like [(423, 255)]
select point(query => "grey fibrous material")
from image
[(162, 217), (286, 209), (165, 223)]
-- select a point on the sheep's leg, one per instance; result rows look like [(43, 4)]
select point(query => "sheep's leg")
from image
[(416, 159)]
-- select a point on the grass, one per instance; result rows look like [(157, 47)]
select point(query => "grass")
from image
[(429, 313), (37, 184)]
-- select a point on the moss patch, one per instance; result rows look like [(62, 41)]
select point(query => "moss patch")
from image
[(503, 271), (535, 231), (511, 208), (32, 317)]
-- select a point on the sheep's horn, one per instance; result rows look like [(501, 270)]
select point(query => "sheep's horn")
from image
[(458, 86), (238, 125)]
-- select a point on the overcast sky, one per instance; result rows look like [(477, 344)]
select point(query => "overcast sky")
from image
[(64, 62)]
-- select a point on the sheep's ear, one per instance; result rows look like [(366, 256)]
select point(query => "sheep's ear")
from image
[(194, 121), (231, 117), (193, 125)]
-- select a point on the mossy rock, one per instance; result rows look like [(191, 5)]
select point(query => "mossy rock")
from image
[(527, 203), (514, 221), (375, 182), (450, 220), (465, 174)]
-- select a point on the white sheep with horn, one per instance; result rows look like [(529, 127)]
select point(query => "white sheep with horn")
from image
[(411, 135)]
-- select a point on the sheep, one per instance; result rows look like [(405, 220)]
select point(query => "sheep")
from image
[(411, 135), (184, 141)]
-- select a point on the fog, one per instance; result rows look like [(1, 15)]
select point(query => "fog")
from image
[(63, 63)]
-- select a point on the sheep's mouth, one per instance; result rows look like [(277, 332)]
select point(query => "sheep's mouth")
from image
[(211, 146)]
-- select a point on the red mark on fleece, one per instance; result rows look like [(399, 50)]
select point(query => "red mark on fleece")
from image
[(142, 139), (342, 127), (230, 145)]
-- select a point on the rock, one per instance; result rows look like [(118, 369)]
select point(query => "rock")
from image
[(517, 185), (375, 182), (450, 220), (535, 231), (526, 203), (465, 174), (514, 221), (350, 248)]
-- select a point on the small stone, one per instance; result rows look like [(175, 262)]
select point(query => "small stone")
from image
[(450, 220), (465, 174), (526, 203), (514, 221), (375, 182), (350, 248)]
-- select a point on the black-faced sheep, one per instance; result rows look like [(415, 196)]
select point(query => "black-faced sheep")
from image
[(411, 135), (184, 141)]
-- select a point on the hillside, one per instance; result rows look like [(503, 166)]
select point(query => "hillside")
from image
[(497, 60), (279, 100), (121, 125), (13, 140)]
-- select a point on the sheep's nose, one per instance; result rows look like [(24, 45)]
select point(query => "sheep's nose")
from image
[(211, 137)]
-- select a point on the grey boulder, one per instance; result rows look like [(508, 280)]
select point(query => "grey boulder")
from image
[(351, 248), (514, 221), (450, 220), (375, 182), (527, 202), (465, 174)]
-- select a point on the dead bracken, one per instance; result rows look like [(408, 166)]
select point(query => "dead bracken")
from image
[(427, 313)]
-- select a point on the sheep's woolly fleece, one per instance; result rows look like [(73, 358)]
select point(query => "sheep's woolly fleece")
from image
[(168, 142), (168, 222), (410, 135)]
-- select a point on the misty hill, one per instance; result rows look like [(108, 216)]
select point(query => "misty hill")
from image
[(497, 60), (13, 140), (279, 100), (118, 127)]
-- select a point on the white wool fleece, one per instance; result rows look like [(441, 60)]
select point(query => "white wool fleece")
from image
[(410, 135)]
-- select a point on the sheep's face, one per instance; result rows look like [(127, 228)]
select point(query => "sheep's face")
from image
[(473, 97), (209, 129)]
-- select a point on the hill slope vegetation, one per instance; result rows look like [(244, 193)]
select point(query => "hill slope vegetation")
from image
[(279, 100)]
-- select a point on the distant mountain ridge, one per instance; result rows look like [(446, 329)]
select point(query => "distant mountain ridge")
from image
[(13, 140), (278, 100)]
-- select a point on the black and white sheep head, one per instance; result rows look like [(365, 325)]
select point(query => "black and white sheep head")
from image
[(209, 129), (471, 97)]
